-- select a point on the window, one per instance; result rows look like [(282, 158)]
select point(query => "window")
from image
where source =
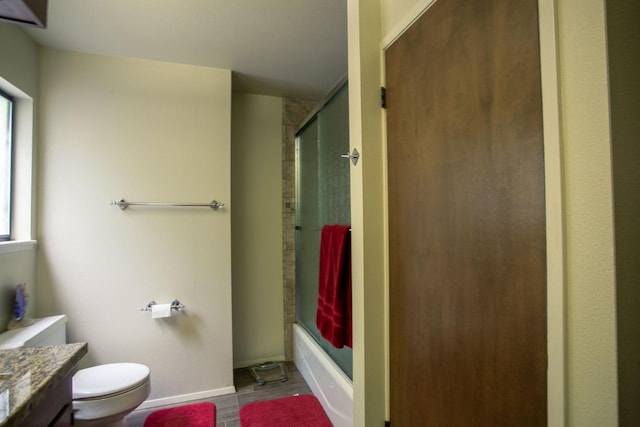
[(6, 136)]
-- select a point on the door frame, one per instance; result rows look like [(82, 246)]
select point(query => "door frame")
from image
[(556, 298)]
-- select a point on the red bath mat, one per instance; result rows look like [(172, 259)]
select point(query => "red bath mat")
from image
[(293, 411), (195, 415)]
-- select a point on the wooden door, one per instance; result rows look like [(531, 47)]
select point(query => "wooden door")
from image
[(467, 218)]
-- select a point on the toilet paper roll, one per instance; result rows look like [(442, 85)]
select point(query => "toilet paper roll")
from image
[(160, 310)]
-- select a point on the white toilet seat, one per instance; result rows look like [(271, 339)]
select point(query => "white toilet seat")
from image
[(108, 380), (105, 394)]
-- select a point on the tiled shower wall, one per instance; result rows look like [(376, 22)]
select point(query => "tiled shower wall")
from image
[(294, 111)]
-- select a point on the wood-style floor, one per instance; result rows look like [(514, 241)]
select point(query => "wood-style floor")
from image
[(247, 391)]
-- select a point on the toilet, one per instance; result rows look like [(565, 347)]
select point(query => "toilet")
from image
[(102, 395)]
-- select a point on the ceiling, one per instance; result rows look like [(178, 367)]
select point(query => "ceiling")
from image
[(294, 48)]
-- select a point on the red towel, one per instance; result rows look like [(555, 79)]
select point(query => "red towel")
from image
[(333, 316)]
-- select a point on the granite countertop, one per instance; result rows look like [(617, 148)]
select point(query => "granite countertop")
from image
[(27, 374)]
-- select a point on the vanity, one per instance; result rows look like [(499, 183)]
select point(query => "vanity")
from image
[(35, 385)]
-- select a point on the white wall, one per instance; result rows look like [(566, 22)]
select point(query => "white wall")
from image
[(368, 221), (19, 63), (256, 224), (589, 236), (397, 15), (19, 77), (623, 33), (144, 131), (16, 266)]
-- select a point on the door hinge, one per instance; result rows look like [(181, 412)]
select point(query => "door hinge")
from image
[(383, 97)]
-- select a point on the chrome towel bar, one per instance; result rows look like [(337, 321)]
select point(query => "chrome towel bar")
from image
[(123, 204)]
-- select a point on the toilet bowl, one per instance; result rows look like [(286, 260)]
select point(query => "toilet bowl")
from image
[(103, 395)]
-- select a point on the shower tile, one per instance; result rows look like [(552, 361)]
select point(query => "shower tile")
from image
[(294, 111)]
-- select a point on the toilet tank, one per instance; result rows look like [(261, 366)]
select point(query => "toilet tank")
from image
[(44, 331)]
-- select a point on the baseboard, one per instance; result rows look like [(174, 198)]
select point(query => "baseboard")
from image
[(172, 400)]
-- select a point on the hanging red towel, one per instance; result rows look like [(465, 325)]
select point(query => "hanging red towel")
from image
[(333, 316)]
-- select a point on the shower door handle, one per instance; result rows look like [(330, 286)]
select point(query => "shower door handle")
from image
[(354, 156)]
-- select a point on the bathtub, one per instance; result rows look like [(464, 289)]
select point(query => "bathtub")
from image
[(331, 386)]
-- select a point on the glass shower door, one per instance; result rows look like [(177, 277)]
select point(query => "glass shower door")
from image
[(322, 198)]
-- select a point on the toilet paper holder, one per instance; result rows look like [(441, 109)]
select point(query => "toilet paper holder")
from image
[(175, 305)]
